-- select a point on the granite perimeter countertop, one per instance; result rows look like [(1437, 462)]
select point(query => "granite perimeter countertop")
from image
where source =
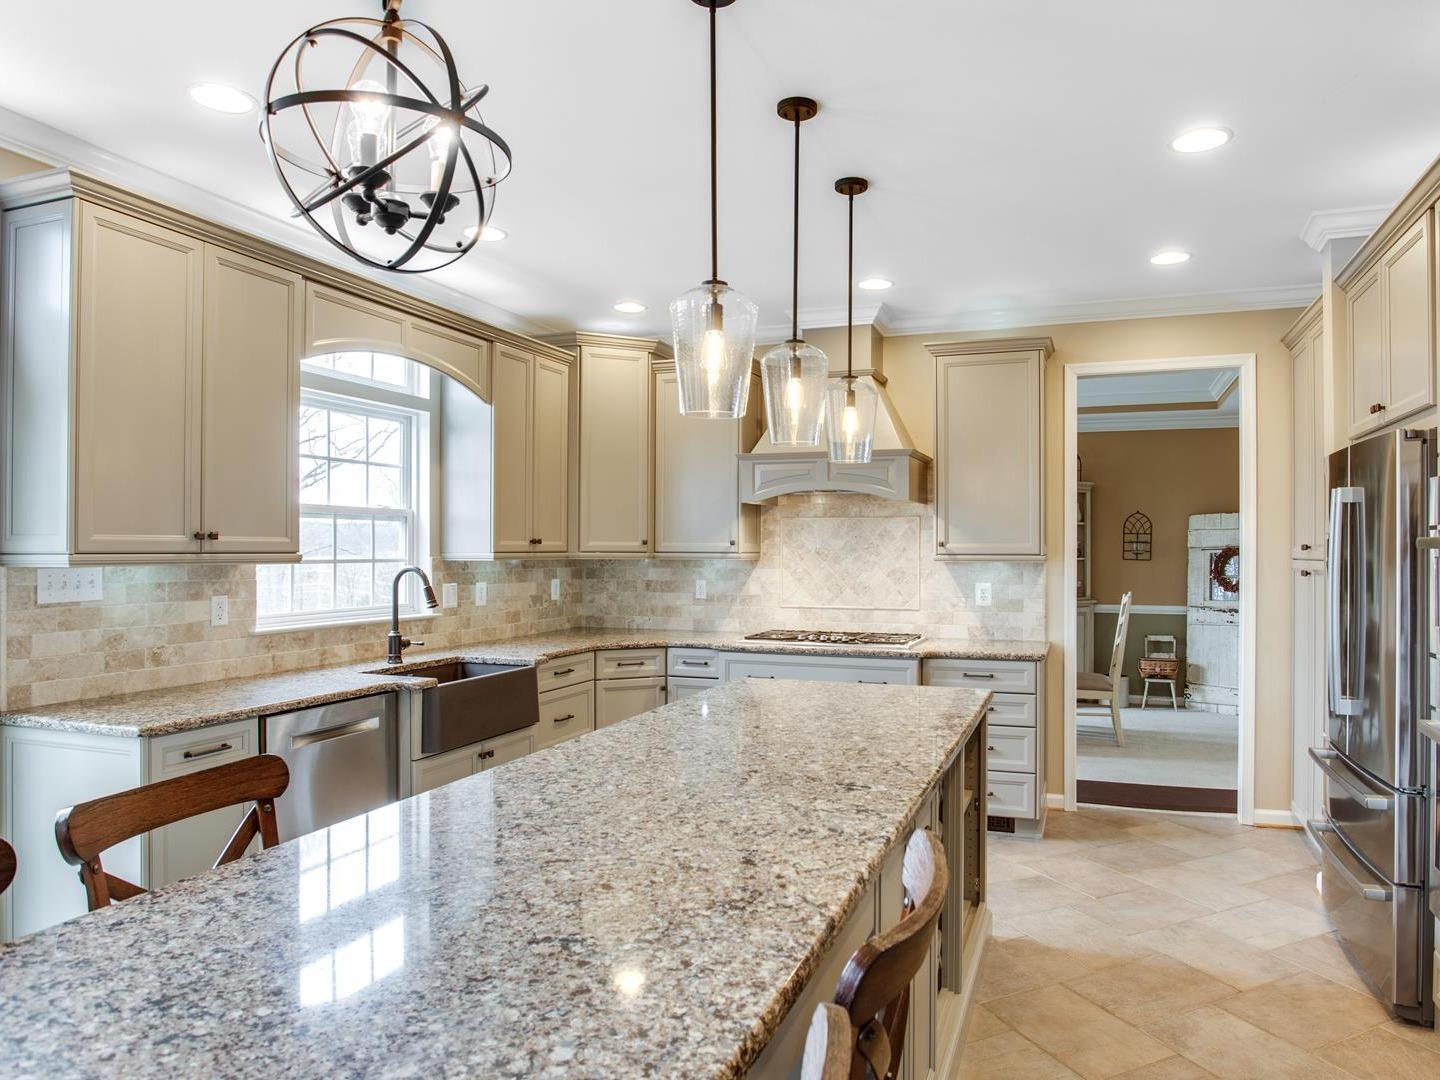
[(188, 708), (646, 901)]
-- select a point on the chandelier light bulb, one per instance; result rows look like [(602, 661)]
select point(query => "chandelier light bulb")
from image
[(369, 118)]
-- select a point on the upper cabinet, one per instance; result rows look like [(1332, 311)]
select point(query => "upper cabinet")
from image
[(990, 448), (1390, 328), (181, 358), (698, 510), (1305, 341)]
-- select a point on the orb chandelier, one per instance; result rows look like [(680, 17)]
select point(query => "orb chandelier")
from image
[(379, 145), (851, 403), (713, 325), (794, 373)]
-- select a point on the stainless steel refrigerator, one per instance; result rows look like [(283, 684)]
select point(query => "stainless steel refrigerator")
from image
[(1374, 837)]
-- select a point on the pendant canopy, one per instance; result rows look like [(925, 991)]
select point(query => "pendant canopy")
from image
[(714, 325), (794, 374), (850, 411)]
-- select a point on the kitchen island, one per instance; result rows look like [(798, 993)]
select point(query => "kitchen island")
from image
[(651, 903)]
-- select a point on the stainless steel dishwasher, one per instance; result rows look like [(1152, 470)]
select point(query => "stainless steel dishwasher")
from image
[(343, 759)]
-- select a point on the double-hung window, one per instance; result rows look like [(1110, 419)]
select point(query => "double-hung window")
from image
[(364, 444)]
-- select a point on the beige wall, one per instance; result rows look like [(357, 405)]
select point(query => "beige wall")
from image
[(1168, 475), (13, 164), (912, 387)]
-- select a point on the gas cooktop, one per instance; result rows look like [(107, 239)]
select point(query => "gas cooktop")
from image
[(833, 637)]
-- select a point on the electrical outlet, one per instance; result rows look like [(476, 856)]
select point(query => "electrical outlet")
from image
[(983, 595), (68, 586), (219, 611), (700, 588), (554, 588), (482, 596), (450, 594)]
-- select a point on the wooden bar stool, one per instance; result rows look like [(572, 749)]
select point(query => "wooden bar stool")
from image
[(87, 829), (874, 988), (7, 865), (828, 1045)]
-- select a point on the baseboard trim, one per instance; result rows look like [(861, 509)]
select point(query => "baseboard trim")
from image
[(1157, 797), (1054, 800), (1276, 819)]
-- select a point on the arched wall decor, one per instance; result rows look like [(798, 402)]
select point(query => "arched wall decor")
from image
[(1137, 538)]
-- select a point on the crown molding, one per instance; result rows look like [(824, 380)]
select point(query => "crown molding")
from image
[(1413, 205), (1163, 421), (991, 345), (1322, 226), (47, 144), (1220, 385), (577, 339), (1307, 318), (867, 313)]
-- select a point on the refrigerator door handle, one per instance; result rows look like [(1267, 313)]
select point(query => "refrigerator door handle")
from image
[(1382, 893), (1368, 800), (1346, 609)]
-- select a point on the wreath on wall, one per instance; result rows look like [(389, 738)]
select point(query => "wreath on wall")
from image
[(1218, 573)]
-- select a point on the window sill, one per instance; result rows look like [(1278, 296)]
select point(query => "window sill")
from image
[(334, 623)]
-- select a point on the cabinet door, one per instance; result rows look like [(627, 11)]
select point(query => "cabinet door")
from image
[(615, 454), (192, 846), (427, 774), (697, 482), (1409, 351), (1305, 404), (988, 455), (510, 385), (620, 699), (1366, 322), (1308, 687), (249, 496), (565, 714), (550, 455), (680, 687), (503, 748), (137, 393)]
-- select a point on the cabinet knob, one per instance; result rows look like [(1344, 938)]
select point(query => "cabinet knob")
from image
[(1304, 547), (644, 542), (199, 536), (1304, 573), (732, 543), (1377, 407), (212, 536)]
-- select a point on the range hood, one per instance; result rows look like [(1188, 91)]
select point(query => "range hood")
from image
[(896, 469)]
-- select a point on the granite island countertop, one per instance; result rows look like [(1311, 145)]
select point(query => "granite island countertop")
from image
[(188, 708), (646, 901)]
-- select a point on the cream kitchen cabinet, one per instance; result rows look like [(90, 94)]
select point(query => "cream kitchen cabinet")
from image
[(1391, 333), (990, 448), (620, 699), (565, 714), (152, 381), (1306, 343), (427, 774), (1308, 703), (697, 476)]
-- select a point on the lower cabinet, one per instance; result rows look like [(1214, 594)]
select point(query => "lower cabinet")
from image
[(433, 772), (1308, 705), (817, 668), (680, 687), (565, 714), (620, 699)]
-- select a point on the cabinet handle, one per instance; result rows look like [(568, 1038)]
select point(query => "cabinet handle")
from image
[(486, 754), (199, 535), (874, 682), (1304, 547), (1377, 407), (644, 542), (563, 671), (212, 535), (562, 719), (977, 674), (191, 755), (759, 676), (695, 663), (732, 543), (989, 794), (630, 663), (992, 749), (1304, 573)]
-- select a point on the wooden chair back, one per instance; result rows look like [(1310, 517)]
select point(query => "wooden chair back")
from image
[(7, 865), (1117, 654), (828, 1045), (874, 988), (89, 828)]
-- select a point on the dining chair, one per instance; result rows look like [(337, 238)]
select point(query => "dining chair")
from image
[(828, 1044), (874, 989), (1092, 687), (89, 828)]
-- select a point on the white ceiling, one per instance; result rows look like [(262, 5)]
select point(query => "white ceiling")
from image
[(1154, 395), (1018, 152)]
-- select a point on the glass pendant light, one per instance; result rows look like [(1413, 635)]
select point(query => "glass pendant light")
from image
[(850, 411), (713, 325), (794, 374)]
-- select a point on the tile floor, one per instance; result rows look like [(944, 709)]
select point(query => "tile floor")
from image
[(1149, 945)]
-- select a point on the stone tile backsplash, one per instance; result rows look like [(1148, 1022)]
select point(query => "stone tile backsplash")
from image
[(826, 561)]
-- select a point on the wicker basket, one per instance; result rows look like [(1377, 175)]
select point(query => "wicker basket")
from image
[(1159, 667)]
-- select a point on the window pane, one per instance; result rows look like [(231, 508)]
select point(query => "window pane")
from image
[(272, 593), (317, 539), (387, 487), (385, 575), (386, 441), (314, 430), (327, 361), (352, 538), (391, 369), (314, 473), (315, 587), (390, 539), (347, 484), (353, 363), (347, 436), (352, 585)]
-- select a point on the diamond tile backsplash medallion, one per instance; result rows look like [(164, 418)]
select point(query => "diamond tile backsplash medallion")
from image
[(871, 563)]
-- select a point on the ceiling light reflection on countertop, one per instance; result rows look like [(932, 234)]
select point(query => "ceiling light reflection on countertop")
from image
[(629, 307), (875, 284), (223, 99), (629, 981), (1199, 140), (1170, 258)]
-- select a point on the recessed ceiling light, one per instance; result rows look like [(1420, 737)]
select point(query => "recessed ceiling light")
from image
[(1170, 258), (1198, 140), (629, 307), (488, 235), (875, 284), (222, 98)]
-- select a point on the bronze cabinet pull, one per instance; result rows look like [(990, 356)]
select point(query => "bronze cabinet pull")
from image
[(191, 755), (562, 719), (199, 535), (563, 671), (212, 535)]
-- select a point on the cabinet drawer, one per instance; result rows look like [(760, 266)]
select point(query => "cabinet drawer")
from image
[(1002, 676), (694, 663), (175, 755), (1010, 794), (1012, 710), (1011, 749), (629, 663), (503, 748), (565, 714), (566, 671), (818, 668)]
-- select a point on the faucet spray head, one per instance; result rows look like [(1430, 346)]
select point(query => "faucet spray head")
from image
[(430, 600)]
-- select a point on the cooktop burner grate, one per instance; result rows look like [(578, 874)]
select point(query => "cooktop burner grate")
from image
[(833, 637)]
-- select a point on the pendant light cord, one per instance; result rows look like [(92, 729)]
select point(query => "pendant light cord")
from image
[(714, 154), (850, 298), (795, 262)]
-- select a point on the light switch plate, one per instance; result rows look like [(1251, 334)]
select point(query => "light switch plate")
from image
[(554, 588), (983, 595), (450, 594), (701, 588), (219, 611), (482, 594), (69, 585)]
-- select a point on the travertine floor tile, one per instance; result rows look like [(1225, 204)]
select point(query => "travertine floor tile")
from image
[(983, 1025), (1193, 842), (1323, 955), (1097, 943), (1206, 890), (1307, 1010), (1229, 1047), (1132, 855), (1172, 1068), (1024, 895), (1150, 989), (1078, 1033), (1294, 887), (1381, 1054), (1000, 1045), (1142, 909), (1421, 1036), (1028, 1064), (1084, 875), (1021, 964), (1268, 923), (999, 870), (1227, 959), (1247, 864)]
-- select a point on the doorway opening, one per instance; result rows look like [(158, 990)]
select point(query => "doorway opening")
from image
[(1160, 525)]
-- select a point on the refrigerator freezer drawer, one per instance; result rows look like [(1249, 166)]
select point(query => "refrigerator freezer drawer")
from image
[(1384, 825)]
